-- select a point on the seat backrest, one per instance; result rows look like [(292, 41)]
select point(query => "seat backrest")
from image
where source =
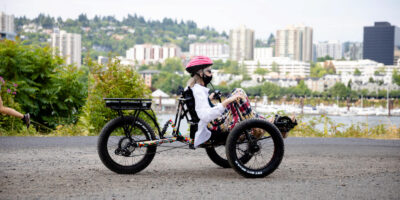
[(190, 103)]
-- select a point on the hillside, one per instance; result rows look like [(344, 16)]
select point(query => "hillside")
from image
[(103, 34)]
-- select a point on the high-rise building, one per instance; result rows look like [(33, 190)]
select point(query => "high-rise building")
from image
[(382, 43), (68, 46), (295, 42), (7, 30), (332, 49), (353, 50), (212, 50), (241, 44), (149, 53), (6, 23)]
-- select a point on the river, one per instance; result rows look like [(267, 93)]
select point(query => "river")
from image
[(347, 121)]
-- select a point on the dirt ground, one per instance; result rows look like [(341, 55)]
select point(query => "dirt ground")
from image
[(312, 168)]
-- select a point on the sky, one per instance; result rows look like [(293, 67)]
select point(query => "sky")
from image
[(341, 20)]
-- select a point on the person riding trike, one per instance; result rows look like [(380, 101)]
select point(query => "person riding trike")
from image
[(252, 145)]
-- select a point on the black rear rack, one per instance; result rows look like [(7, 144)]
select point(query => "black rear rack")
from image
[(128, 103)]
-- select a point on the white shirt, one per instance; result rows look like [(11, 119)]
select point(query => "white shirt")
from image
[(205, 112)]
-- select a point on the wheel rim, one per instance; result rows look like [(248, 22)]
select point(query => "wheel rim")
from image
[(118, 141), (261, 152)]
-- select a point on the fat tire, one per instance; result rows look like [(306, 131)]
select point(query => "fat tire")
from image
[(103, 152), (220, 161), (276, 157)]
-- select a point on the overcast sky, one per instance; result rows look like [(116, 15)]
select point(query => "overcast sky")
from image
[(331, 20)]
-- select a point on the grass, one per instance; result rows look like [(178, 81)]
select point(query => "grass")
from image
[(332, 129)]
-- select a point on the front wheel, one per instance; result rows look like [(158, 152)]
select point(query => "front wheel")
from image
[(266, 149), (116, 145)]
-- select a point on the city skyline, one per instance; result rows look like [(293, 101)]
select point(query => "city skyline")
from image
[(330, 20)]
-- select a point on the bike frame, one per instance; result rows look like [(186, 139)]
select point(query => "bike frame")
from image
[(120, 104)]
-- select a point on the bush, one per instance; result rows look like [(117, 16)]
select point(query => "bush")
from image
[(7, 94), (50, 91), (110, 81)]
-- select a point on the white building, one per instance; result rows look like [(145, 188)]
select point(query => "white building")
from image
[(263, 53), (332, 49), (149, 53), (68, 46), (241, 44), (215, 51), (7, 23), (285, 67), (366, 67), (295, 42)]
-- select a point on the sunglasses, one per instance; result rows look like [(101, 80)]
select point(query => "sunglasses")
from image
[(208, 70)]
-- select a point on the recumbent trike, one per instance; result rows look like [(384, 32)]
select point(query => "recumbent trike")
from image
[(127, 144)]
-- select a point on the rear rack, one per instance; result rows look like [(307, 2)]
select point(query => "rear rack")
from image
[(128, 103)]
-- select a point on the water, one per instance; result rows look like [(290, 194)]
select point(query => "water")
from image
[(347, 121)]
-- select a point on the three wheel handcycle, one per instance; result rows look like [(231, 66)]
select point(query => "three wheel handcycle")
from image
[(127, 144)]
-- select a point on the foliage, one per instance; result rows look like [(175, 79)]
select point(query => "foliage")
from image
[(231, 67), (106, 33), (357, 72), (332, 129), (48, 90), (319, 71), (172, 65), (261, 43), (339, 90), (110, 81), (169, 82), (271, 40), (396, 77), (323, 59), (275, 67), (261, 71), (7, 95), (301, 89)]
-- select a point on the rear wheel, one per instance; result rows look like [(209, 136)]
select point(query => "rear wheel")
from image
[(266, 150), (117, 150), (217, 154)]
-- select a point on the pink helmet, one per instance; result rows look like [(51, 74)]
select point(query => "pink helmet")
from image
[(198, 62)]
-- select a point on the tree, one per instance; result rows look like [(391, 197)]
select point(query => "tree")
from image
[(323, 59), (371, 80), (396, 77), (218, 64), (275, 67), (271, 40), (357, 72), (340, 90), (173, 65), (317, 70), (111, 81), (261, 71), (169, 82)]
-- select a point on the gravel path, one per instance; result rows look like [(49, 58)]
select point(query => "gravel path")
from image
[(313, 168)]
